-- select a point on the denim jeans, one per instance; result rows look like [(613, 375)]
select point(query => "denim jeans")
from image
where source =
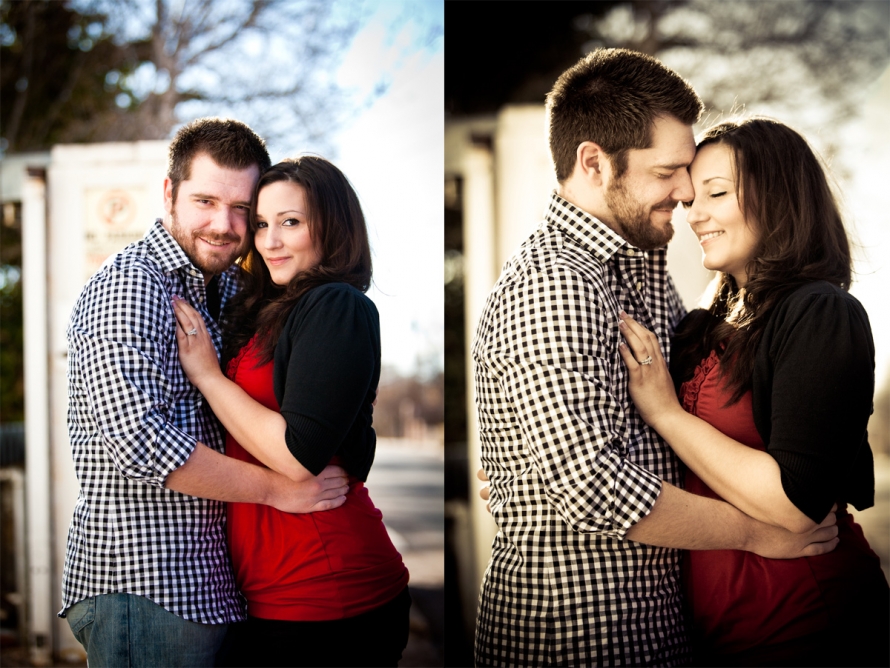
[(125, 630)]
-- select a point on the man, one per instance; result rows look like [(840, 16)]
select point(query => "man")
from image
[(147, 580), (585, 495)]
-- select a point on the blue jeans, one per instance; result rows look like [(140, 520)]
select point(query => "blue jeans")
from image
[(125, 630)]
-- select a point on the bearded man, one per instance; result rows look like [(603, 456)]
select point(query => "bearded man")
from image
[(585, 567), (147, 578)]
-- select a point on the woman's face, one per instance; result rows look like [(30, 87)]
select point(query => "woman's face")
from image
[(282, 235), (727, 240)]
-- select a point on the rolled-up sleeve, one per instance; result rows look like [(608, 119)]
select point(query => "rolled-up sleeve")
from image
[(545, 356), (121, 339)]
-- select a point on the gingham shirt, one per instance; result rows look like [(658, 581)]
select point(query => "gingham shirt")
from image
[(571, 463), (133, 417)]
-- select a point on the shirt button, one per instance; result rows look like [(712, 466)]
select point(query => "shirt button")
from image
[(631, 252), (639, 285)]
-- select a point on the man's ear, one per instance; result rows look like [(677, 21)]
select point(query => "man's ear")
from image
[(168, 195), (592, 162)]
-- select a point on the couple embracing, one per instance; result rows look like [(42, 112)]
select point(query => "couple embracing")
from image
[(669, 487), (148, 579)]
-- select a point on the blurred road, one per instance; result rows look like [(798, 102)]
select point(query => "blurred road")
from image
[(407, 484)]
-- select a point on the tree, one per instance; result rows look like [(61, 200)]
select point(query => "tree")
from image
[(270, 63), (122, 70), (62, 77), (12, 386), (796, 59)]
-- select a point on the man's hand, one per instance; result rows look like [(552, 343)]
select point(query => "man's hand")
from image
[(485, 489), (777, 543), (211, 475), (326, 491)]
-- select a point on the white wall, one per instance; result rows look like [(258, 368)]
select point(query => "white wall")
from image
[(95, 199), (101, 197)]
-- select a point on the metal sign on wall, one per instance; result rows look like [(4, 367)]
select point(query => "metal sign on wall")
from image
[(114, 218)]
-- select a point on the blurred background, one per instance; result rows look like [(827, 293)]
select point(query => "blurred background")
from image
[(821, 67), (90, 93)]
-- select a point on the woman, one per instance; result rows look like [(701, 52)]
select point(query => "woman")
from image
[(302, 345), (777, 381)]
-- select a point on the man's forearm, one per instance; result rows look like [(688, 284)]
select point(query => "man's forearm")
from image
[(211, 475), (691, 522)]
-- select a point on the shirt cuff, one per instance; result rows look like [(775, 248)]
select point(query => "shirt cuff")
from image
[(172, 450), (635, 492)]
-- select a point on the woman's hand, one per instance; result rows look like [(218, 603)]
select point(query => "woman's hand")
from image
[(649, 380), (196, 351), (775, 542)]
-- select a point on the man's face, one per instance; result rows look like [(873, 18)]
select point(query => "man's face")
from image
[(209, 218), (642, 200)]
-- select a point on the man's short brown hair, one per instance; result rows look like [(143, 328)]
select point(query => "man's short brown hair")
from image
[(230, 144), (611, 97)]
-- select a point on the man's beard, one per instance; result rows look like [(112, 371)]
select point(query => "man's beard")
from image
[(211, 263), (632, 218)]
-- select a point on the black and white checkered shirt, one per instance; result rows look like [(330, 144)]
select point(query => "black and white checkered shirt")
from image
[(571, 463), (133, 417)]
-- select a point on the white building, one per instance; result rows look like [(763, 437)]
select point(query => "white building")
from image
[(79, 204)]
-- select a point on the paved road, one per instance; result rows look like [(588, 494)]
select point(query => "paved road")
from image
[(407, 483)]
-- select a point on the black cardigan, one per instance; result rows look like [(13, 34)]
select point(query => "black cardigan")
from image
[(813, 392), (326, 371)]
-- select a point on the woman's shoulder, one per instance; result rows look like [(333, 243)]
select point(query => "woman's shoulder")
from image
[(331, 300), (817, 316), (333, 294), (815, 300)]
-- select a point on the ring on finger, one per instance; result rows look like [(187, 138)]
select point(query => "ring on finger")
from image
[(646, 361), (192, 332)]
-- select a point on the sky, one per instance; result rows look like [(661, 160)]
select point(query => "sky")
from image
[(393, 155), (392, 152)]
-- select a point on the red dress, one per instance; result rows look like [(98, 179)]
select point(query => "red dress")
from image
[(310, 567), (768, 611)]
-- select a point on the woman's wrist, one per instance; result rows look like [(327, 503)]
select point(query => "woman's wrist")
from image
[(206, 381), (668, 420)]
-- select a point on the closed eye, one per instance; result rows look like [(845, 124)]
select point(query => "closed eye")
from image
[(720, 194)]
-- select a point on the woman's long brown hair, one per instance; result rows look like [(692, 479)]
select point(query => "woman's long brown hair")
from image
[(785, 195), (336, 227)]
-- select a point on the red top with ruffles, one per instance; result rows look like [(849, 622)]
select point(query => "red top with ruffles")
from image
[(310, 567), (740, 601)]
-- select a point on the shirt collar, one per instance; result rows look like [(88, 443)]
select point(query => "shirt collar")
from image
[(165, 248), (600, 239), (172, 258)]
